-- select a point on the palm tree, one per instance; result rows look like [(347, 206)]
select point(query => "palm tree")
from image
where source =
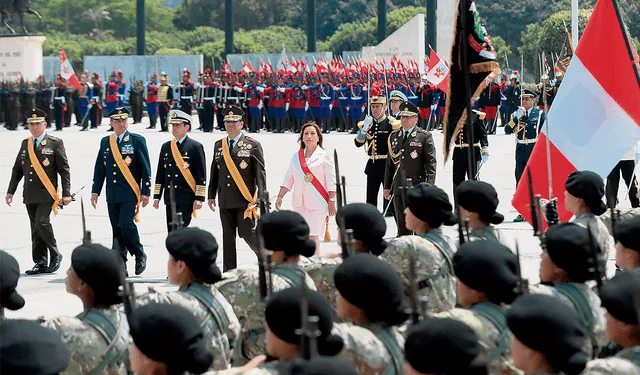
[(97, 15)]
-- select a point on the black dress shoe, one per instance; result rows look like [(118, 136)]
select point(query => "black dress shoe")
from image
[(141, 264), (518, 219), (37, 269), (55, 264)]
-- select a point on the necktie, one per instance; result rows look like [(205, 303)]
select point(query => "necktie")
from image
[(231, 142), (406, 135), (36, 142)]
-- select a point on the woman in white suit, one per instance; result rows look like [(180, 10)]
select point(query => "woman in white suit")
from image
[(311, 176)]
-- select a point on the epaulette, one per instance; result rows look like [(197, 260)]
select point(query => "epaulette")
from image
[(395, 124), (246, 138), (52, 137)]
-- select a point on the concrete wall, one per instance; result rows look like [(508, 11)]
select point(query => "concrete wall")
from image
[(141, 67)]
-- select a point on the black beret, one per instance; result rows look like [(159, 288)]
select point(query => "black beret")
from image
[(627, 232), (568, 247), (547, 325), (171, 334), (282, 315), (99, 268), (9, 275), (442, 346), (618, 296), (198, 249), (481, 198), (367, 224), (374, 286), (27, 348), (323, 366), (287, 231), (488, 267), (431, 205), (589, 187)]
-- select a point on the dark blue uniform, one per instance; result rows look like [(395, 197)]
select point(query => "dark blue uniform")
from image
[(121, 199), (526, 130)]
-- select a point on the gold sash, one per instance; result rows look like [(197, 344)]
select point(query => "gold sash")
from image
[(186, 173), (42, 175), (124, 169), (252, 208)]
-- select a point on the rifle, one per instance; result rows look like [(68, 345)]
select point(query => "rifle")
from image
[(522, 285), (176, 217), (264, 209), (308, 330), (128, 292), (596, 260), (347, 246), (534, 207), (86, 235)]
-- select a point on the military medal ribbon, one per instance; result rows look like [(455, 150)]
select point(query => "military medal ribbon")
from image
[(186, 173), (124, 169), (42, 175), (252, 211)]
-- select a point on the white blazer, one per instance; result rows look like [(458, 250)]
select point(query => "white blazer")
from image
[(304, 193)]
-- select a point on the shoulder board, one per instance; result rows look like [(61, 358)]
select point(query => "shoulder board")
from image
[(423, 131), (391, 118), (51, 137), (246, 138)]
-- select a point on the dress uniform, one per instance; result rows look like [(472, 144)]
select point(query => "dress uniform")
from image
[(187, 173), (40, 160), (152, 100), (412, 155), (186, 91), (237, 175), (375, 137), (208, 102), (165, 100), (128, 179), (514, 95), (60, 103), (526, 125), (462, 143), (136, 96), (95, 113)]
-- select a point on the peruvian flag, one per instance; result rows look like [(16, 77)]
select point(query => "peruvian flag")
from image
[(66, 70), (438, 71), (595, 118)]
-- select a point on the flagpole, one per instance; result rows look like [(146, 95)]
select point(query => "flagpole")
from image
[(467, 86), (574, 22), (547, 139)]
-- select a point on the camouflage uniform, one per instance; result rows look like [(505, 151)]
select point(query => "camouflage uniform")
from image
[(372, 348), (600, 232), (622, 216), (321, 270), (611, 366), (241, 287), (434, 271), (595, 321), (88, 338), (489, 232), (272, 368), (632, 354), (495, 341), (219, 322)]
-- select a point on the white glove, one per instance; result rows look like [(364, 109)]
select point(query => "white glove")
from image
[(485, 157), (286, 106), (260, 105), (282, 89), (50, 106), (306, 106), (365, 88), (260, 89), (336, 88), (226, 87), (422, 83), (330, 107), (434, 107), (304, 87), (368, 120), (518, 113), (238, 89)]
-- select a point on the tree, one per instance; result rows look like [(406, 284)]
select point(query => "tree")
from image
[(502, 50), (98, 15), (170, 52)]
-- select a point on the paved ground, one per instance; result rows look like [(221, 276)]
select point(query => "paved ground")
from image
[(45, 295)]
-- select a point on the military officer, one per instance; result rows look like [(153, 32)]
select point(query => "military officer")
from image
[(40, 159), (165, 100), (98, 338), (462, 142), (628, 243), (395, 99), (374, 133), (514, 95), (412, 155), (526, 123), (186, 91), (238, 175), (182, 164), (123, 160)]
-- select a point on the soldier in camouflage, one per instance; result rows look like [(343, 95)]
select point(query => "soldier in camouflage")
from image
[(547, 336), (611, 366), (487, 281), (192, 266), (443, 346), (322, 365), (283, 324), (167, 339), (286, 236), (566, 266), (370, 298), (369, 228), (478, 201), (98, 338), (628, 244), (9, 275)]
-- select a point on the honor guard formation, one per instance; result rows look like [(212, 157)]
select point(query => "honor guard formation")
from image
[(421, 303)]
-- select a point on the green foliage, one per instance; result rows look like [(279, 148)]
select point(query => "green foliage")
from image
[(170, 52), (502, 50)]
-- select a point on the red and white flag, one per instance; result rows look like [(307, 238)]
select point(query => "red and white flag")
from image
[(595, 118), (438, 71), (66, 70)]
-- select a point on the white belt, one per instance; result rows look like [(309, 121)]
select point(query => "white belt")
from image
[(186, 97), (356, 97), (325, 98), (59, 98), (526, 141), (209, 98), (95, 98)]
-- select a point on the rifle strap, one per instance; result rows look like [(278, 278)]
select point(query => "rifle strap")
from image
[(289, 274), (582, 306), (397, 353), (498, 318), (204, 295), (117, 349), (442, 245)]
